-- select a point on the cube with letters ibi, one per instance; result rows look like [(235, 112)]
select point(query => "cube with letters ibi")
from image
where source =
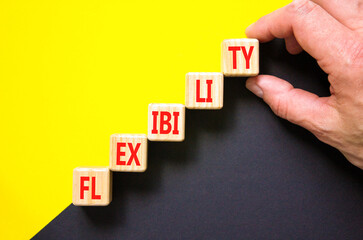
[(166, 122)]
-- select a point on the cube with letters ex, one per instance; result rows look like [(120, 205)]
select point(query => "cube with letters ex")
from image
[(92, 186), (166, 122), (128, 152), (204, 90), (240, 57)]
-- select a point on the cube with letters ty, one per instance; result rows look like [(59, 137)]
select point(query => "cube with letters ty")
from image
[(240, 57)]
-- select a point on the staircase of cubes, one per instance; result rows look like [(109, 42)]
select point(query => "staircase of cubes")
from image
[(92, 186)]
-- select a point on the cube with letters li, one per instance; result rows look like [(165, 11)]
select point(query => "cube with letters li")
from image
[(128, 152), (166, 122), (204, 90), (240, 57), (92, 186)]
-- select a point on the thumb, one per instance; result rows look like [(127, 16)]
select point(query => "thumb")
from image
[(295, 105)]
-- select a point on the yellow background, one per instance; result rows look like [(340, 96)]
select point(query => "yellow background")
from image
[(74, 72)]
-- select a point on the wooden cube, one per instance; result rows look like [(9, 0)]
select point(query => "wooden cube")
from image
[(240, 57), (128, 152), (166, 122), (92, 186), (204, 90)]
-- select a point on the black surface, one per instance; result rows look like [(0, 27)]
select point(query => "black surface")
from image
[(242, 173)]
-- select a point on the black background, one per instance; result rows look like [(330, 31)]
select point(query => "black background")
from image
[(241, 173)]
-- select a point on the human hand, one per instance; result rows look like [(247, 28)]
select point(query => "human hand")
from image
[(331, 32)]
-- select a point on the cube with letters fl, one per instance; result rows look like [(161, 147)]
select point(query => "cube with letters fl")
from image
[(92, 186), (128, 152), (166, 122), (240, 57), (204, 90)]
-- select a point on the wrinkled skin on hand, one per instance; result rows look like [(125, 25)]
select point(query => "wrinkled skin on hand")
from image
[(332, 33)]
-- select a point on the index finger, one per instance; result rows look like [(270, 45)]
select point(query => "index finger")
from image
[(317, 32)]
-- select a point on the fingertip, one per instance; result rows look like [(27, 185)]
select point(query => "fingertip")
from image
[(253, 87), (249, 30), (270, 85), (251, 79)]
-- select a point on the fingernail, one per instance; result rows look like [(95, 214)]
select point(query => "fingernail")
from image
[(252, 86)]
